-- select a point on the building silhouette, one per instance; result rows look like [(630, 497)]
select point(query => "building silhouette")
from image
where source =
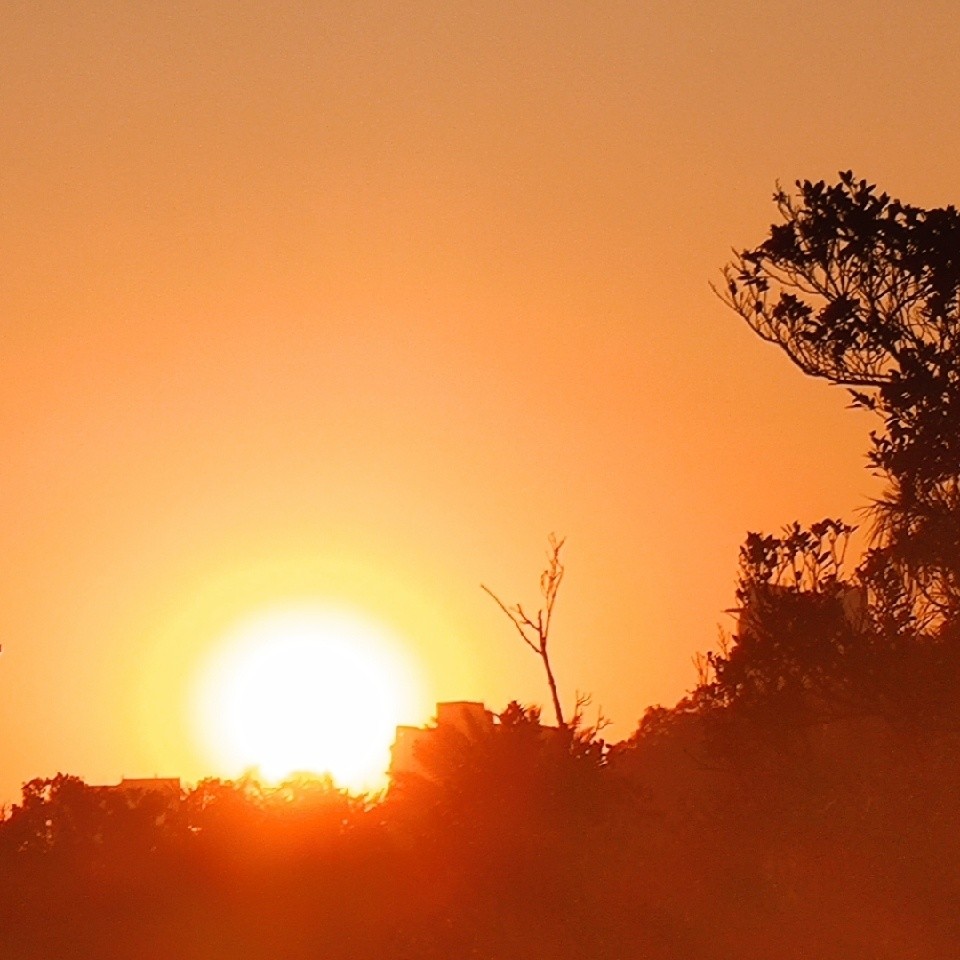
[(467, 718)]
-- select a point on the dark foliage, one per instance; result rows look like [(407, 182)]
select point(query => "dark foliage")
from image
[(800, 632), (864, 291), (688, 840)]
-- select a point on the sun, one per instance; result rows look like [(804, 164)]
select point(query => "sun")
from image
[(305, 689)]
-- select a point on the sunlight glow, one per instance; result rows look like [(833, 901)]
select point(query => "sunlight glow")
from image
[(305, 689)]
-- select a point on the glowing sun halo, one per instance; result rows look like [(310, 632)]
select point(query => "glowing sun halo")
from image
[(306, 690)]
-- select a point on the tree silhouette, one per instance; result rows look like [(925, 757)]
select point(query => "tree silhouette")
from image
[(864, 291), (506, 827), (802, 634), (535, 631), (62, 816)]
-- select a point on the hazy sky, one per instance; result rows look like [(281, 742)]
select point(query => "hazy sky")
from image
[(361, 300)]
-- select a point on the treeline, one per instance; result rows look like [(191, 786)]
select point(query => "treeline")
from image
[(707, 834)]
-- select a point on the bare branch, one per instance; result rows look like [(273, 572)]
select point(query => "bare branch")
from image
[(517, 622), (536, 634)]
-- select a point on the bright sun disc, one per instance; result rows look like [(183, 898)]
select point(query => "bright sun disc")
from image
[(306, 690)]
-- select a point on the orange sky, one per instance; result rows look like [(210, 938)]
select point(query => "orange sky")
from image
[(362, 300)]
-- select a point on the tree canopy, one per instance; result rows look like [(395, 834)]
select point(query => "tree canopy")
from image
[(863, 290)]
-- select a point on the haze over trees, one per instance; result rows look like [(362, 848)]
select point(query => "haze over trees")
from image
[(802, 802)]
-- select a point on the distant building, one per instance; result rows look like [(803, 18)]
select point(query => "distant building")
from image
[(169, 786), (464, 717), (763, 597)]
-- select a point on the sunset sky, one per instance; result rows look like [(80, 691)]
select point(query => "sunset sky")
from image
[(352, 304)]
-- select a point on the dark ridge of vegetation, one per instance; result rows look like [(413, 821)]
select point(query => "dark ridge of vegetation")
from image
[(802, 802), (706, 834)]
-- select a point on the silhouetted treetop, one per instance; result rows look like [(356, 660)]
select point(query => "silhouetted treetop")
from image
[(862, 290)]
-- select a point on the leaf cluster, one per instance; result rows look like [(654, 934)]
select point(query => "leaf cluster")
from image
[(864, 291)]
